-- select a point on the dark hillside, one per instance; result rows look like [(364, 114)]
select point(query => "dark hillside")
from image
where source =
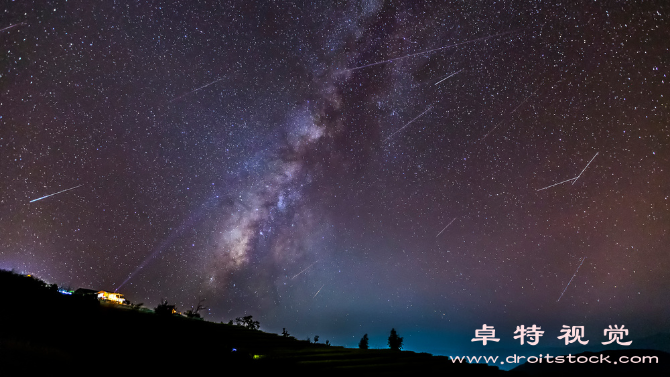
[(44, 330)]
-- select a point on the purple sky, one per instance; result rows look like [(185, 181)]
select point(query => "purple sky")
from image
[(257, 157)]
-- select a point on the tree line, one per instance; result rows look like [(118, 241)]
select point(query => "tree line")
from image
[(394, 341)]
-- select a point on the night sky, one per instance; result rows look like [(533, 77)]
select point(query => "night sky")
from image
[(341, 169)]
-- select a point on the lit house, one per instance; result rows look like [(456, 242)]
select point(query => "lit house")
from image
[(111, 296), (101, 295)]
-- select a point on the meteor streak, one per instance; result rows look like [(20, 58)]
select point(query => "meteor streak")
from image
[(408, 123), (195, 90), (55, 193), (445, 228), (587, 165), (436, 49), (574, 179), (510, 114), (453, 74), (304, 271), (11, 26), (556, 184), (573, 276), (317, 292)]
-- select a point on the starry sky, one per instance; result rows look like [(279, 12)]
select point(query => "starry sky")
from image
[(341, 168)]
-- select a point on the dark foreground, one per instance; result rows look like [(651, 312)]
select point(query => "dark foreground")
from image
[(43, 331), (46, 331)]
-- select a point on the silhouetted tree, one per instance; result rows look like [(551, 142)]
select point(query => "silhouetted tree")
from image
[(165, 309), (363, 344), (316, 339), (395, 341), (248, 322), (285, 333), (193, 313), (327, 342)]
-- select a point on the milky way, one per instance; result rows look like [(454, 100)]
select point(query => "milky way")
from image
[(295, 162)]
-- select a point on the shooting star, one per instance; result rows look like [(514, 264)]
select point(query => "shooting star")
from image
[(445, 228), (574, 179), (55, 193), (573, 276), (12, 26), (556, 184), (303, 270), (317, 292), (587, 165), (508, 115), (436, 49), (195, 90), (453, 74), (408, 123)]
